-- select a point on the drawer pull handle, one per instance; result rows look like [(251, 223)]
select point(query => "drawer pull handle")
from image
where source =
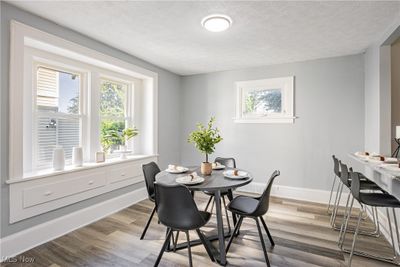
[(48, 193), (123, 174), (91, 182)]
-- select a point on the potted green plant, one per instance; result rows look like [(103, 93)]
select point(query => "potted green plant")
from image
[(113, 135), (126, 135), (205, 138)]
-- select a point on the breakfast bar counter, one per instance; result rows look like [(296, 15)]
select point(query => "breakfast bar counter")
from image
[(387, 179)]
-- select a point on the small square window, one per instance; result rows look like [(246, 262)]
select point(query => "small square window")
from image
[(265, 101)]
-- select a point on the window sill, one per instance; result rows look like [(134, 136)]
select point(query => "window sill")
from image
[(70, 169), (265, 120)]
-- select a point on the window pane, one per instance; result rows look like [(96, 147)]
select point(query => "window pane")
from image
[(52, 132), (113, 114), (110, 134), (57, 91), (261, 102), (112, 99)]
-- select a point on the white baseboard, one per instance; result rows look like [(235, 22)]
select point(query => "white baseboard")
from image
[(297, 193), (17, 243)]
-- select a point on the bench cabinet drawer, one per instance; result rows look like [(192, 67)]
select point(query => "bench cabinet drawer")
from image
[(122, 172), (44, 193)]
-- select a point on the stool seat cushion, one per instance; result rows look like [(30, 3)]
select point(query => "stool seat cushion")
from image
[(379, 200)]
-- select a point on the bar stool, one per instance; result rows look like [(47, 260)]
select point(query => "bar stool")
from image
[(382, 200), (365, 184)]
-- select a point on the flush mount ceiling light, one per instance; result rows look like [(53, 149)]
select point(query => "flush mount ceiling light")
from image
[(216, 23)]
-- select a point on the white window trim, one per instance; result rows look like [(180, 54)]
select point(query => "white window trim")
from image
[(287, 85), (22, 37)]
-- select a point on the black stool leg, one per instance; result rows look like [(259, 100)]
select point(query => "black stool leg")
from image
[(237, 226), (166, 242), (266, 230), (189, 249), (148, 223), (262, 242)]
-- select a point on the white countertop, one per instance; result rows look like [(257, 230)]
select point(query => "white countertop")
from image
[(387, 180)]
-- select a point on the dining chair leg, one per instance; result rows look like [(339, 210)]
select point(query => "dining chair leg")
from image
[(237, 226), (267, 230), (208, 203), (230, 197), (148, 223), (189, 249), (176, 240), (330, 196), (355, 235), (262, 242), (226, 214), (166, 242), (212, 205), (206, 244)]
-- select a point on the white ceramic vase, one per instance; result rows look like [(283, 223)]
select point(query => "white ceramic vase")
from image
[(77, 156), (58, 159)]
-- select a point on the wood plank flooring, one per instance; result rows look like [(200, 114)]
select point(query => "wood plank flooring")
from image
[(301, 232)]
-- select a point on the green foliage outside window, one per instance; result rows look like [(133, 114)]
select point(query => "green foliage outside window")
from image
[(113, 131)]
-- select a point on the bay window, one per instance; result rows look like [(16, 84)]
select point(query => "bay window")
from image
[(65, 95)]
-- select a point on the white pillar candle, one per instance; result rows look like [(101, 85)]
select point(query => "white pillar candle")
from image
[(58, 159), (397, 132), (77, 156)]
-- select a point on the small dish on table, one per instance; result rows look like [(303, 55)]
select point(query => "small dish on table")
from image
[(236, 174), (190, 179), (382, 159), (217, 166), (176, 169)]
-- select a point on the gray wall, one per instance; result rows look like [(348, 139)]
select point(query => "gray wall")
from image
[(169, 110), (395, 69), (329, 101)]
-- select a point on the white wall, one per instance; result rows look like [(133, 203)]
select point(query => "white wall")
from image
[(168, 108), (329, 101)]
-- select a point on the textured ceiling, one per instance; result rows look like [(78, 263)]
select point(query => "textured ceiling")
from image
[(169, 34)]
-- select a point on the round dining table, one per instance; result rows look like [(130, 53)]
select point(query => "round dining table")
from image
[(216, 183)]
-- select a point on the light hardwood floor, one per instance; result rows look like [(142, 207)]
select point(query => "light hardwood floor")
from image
[(301, 232)]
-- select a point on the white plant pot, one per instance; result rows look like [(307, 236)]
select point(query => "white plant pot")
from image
[(58, 159), (77, 156)]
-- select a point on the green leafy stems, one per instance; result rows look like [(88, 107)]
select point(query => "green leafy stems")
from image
[(113, 133), (205, 138)]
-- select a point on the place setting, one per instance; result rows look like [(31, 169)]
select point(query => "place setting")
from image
[(376, 158), (190, 179), (176, 169), (236, 174)]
